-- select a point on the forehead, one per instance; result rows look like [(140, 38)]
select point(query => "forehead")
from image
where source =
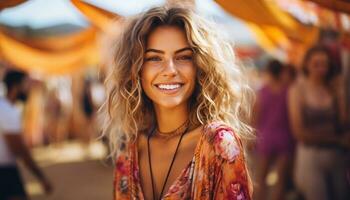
[(167, 38)]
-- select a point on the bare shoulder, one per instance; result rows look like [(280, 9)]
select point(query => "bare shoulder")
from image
[(296, 87), (194, 134)]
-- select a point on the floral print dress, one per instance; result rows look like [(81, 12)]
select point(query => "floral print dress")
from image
[(217, 170)]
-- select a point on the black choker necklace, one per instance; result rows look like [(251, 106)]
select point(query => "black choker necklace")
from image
[(181, 130)]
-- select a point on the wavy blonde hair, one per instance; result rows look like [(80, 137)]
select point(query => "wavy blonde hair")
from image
[(221, 92)]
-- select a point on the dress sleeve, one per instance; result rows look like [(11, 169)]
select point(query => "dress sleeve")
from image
[(121, 174), (232, 180)]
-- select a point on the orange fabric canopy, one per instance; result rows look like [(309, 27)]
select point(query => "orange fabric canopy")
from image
[(99, 17), (10, 3), (57, 42), (60, 53), (47, 62), (267, 13), (273, 28), (336, 5)]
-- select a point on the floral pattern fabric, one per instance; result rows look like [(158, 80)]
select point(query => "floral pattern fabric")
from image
[(217, 170)]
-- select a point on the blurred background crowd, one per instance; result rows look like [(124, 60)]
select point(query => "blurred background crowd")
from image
[(297, 58)]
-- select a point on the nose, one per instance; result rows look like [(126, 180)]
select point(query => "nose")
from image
[(169, 68)]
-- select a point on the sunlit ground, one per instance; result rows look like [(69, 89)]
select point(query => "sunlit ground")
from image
[(79, 171), (271, 178), (69, 152), (76, 171)]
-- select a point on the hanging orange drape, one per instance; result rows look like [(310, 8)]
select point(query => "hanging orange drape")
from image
[(273, 27), (270, 38), (336, 5), (99, 17), (10, 3), (57, 42), (60, 53), (47, 62), (267, 13)]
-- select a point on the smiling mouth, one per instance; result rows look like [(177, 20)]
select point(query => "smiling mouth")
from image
[(169, 87)]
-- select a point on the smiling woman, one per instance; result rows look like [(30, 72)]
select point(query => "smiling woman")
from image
[(168, 73), (176, 110)]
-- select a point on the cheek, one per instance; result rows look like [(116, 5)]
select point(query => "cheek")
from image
[(192, 73), (147, 76), (191, 77)]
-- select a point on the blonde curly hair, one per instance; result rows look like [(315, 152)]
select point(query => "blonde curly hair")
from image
[(221, 91)]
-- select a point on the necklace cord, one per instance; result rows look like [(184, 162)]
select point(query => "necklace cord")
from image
[(149, 162), (170, 167)]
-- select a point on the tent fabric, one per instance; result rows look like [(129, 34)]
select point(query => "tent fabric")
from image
[(58, 42), (99, 17), (62, 53), (45, 62), (10, 3), (251, 10), (336, 5), (272, 26), (65, 42), (266, 13), (269, 37)]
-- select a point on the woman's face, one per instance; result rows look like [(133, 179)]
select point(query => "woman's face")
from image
[(318, 64), (168, 72)]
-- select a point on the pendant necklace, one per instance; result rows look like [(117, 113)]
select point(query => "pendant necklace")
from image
[(182, 129)]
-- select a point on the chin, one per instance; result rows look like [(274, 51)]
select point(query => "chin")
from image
[(169, 104)]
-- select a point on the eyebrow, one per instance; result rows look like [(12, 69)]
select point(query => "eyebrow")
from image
[(162, 52)]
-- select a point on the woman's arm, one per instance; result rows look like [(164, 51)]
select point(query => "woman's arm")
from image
[(338, 86), (233, 181), (17, 146), (298, 129)]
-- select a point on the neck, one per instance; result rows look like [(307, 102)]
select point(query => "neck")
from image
[(274, 84), (169, 119), (316, 81)]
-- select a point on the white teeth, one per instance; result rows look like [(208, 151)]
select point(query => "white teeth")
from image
[(168, 86)]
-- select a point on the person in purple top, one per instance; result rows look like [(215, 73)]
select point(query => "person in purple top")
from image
[(274, 139)]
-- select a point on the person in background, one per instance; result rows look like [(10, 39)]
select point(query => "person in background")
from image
[(289, 74), (89, 109), (12, 145), (316, 111), (53, 113), (87, 100), (275, 144)]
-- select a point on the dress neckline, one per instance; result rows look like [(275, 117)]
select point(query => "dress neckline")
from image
[(135, 164)]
